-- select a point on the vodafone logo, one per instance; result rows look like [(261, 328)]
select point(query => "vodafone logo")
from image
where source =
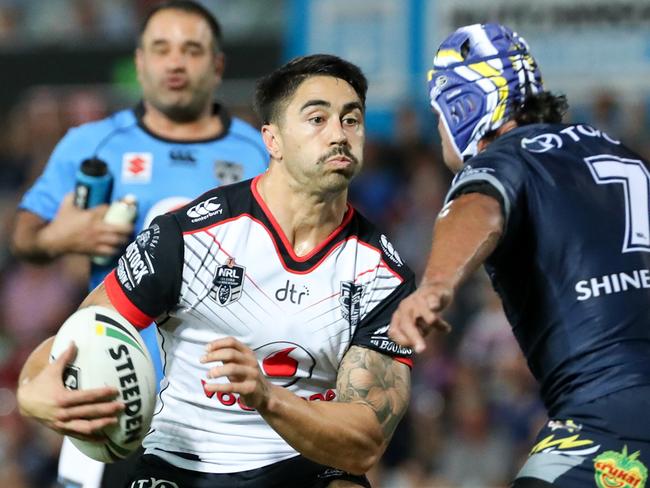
[(207, 208), (284, 363)]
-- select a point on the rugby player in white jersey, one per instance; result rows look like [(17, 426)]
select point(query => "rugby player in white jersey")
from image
[(272, 298)]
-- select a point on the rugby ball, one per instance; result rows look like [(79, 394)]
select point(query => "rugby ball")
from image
[(110, 352)]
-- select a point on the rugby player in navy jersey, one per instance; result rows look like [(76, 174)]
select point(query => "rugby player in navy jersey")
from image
[(173, 146), (273, 298), (560, 216)]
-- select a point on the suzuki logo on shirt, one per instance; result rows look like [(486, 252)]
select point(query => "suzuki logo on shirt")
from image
[(289, 292), (137, 167)]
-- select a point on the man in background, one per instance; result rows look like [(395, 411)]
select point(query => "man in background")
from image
[(560, 216), (174, 145)]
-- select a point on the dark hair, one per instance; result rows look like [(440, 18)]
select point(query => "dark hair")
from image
[(190, 7), (274, 89), (543, 107)]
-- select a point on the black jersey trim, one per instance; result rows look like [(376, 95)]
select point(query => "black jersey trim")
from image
[(217, 109)]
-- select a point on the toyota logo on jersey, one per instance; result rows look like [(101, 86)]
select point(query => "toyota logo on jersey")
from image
[(284, 363)]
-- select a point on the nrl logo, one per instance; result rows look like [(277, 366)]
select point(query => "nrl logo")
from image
[(228, 283)]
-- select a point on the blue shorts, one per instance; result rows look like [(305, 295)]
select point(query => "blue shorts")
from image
[(601, 444)]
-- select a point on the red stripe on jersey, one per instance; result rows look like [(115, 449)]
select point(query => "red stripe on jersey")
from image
[(346, 220), (407, 361), (122, 303)]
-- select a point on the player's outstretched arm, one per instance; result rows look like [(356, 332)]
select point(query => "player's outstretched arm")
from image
[(42, 395), (349, 434), (73, 230), (467, 231)]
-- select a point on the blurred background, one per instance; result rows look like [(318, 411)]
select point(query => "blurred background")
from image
[(475, 408)]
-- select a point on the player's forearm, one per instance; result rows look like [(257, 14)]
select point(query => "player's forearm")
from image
[(31, 239), (465, 235), (346, 436)]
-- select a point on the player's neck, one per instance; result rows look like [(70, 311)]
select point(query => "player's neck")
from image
[(306, 218), (206, 126)]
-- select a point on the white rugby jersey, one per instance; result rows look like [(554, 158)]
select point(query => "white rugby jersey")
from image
[(222, 266)]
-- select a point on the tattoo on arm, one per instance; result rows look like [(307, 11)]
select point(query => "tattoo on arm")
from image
[(377, 380)]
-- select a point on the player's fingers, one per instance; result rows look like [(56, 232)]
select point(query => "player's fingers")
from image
[(105, 250), (225, 342), (442, 325), (65, 357), (89, 412), (409, 335), (71, 398), (86, 429), (226, 355), (68, 200), (122, 231), (113, 239)]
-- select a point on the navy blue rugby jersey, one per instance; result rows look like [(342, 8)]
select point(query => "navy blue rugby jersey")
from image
[(222, 266), (573, 265)]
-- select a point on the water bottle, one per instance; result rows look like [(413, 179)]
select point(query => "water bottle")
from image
[(121, 211), (94, 184)]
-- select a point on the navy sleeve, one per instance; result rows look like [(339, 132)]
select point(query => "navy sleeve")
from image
[(496, 173)]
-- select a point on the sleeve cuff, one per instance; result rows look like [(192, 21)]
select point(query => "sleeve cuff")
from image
[(123, 304)]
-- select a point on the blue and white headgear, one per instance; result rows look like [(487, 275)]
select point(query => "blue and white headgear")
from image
[(480, 74)]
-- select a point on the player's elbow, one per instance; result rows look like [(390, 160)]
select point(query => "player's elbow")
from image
[(366, 453)]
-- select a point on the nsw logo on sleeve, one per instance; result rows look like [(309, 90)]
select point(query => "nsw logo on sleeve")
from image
[(228, 283), (204, 210), (137, 167)]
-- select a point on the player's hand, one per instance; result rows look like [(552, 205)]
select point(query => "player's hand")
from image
[(418, 313), (77, 413), (75, 230), (242, 370)]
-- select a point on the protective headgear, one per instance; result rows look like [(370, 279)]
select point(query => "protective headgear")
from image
[(480, 74)]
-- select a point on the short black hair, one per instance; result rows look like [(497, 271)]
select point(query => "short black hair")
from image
[(274, 89), (190, 7), (539, 108)]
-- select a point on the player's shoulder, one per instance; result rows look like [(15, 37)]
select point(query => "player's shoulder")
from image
[(215, 206), (97, 130), (377, 241)]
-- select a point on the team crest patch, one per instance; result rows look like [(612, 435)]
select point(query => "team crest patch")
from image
[(137, 167), (620, 470), (350, 301), (228, 283), (228, 172)]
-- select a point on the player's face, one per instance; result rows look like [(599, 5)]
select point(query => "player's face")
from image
[(451, 159), (177, 66), (321, 134)]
